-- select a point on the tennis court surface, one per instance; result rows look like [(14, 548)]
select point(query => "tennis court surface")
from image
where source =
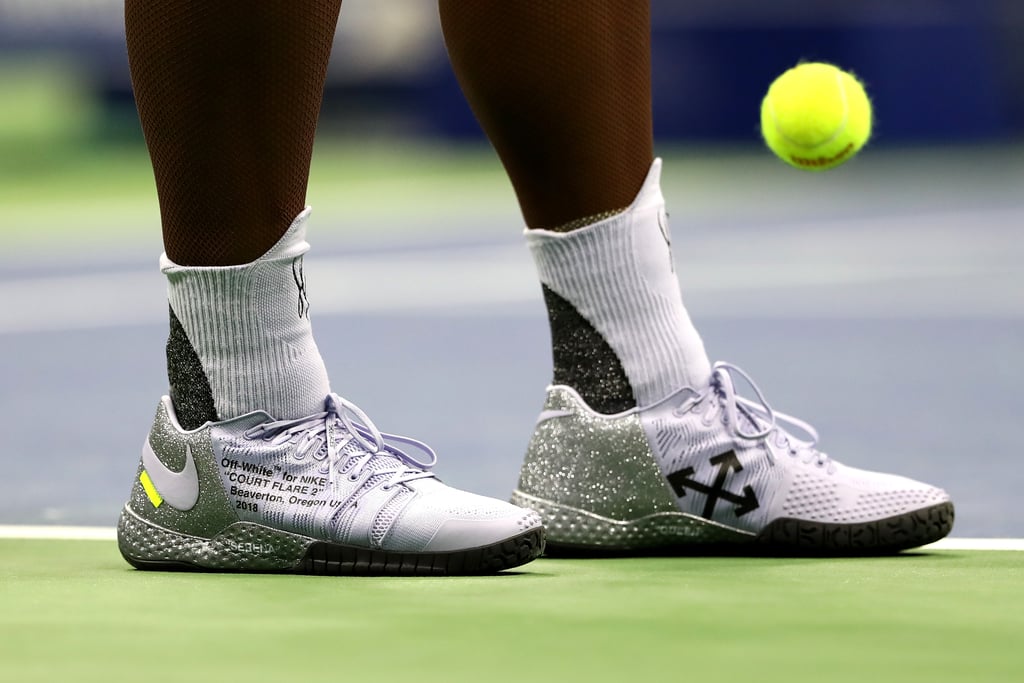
[(72, 610)]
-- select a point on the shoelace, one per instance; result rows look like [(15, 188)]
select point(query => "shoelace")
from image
[(760, 413), (311, 433)]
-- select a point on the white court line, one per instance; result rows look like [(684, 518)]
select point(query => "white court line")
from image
[(59, 533), (102, 533), (977, 544)]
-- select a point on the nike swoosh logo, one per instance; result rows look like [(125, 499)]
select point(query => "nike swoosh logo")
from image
[(546, 415), (180, 490)]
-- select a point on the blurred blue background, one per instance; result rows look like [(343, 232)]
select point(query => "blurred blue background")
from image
[(940, 70)]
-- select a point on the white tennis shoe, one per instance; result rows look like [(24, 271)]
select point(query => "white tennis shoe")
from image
[(706, 468)]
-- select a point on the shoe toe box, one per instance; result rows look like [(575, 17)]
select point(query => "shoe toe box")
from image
[(448, 520), (851, 496)]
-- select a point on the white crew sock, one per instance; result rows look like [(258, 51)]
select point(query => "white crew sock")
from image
[(249, 326), (618, 274)]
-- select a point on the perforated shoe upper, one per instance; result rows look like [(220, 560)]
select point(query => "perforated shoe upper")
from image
[(728, 459)]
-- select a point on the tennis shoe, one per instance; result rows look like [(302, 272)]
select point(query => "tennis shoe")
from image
[(324, 494), (710, 468)]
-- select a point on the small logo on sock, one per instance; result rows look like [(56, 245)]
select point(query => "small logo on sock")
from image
[(300, 282), (663, 226)]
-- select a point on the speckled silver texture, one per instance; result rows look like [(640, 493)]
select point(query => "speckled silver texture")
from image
[(568, 526), (208, 535), (213, 511), (240, 546), (188, 384), (582, 359), (595, 482), (593, 462)]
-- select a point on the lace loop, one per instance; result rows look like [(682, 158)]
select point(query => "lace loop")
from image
[(759, 414)]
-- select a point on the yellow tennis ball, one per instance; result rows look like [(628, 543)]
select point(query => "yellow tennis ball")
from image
[(815, 116)]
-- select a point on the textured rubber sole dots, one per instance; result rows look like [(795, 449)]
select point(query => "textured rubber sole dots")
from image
[(573, 532), (246, 547), (893, 534)]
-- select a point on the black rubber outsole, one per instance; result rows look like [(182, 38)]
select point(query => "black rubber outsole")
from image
[(332, 559), (799, 538)]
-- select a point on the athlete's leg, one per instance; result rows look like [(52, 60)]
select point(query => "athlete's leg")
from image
[(251, 463), (228, 95), (563, 91), (642, 442)]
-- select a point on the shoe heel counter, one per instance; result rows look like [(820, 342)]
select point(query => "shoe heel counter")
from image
[(209, 511), (598, 463), (143, 497)]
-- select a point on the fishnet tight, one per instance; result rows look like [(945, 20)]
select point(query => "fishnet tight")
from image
[(563, 91), (228, 93)]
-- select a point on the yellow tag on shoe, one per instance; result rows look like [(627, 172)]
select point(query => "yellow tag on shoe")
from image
[(147, 485)]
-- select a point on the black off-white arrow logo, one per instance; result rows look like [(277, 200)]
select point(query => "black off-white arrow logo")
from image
[(745, 502)]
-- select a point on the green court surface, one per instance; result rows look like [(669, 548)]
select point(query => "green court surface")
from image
[(73, 610)]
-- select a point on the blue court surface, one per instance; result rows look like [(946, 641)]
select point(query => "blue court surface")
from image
[(883, 303)]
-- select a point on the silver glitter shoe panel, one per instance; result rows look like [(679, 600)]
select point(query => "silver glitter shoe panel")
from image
[(571, 527), (595, 482), (240, 546), (594, 463), (212, 511)]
